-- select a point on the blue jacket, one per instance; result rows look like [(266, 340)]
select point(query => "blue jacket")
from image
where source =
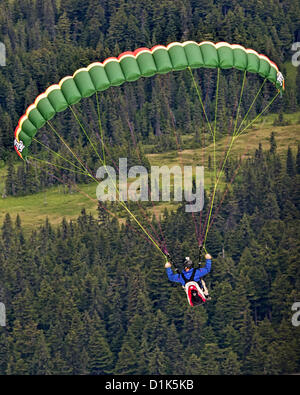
[(176, 277)]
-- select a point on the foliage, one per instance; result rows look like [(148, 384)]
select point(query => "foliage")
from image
[(76, 304)]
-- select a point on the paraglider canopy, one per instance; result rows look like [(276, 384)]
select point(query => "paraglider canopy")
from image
[(130, 66)]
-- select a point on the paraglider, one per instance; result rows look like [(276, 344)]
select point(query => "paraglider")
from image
[(191, 280), (129, 67)]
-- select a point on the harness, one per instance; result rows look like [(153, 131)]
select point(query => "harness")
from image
[(190, 279), (191, 285)]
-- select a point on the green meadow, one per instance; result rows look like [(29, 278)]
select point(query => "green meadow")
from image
[(56, 203)]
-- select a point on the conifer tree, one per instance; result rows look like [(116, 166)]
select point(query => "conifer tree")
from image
[(158, 363), (298, 160), (273, 144), (290, 166), (10, 181), (41, 361), (100, 355), (7, 231), (127, 362), (210, 358), (174, 352), (193, 365), (231, 365)]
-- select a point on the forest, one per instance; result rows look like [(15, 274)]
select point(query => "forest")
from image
[(90, 296), (82, 300), (46, 40)]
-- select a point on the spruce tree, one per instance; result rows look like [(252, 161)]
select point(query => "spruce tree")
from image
[(290, 165), (7, 231), (127, 362), (100, 356), (158, 363), (10, 181), (193, 365), (298, 160), (211, 357), (273, 144), (41, 361), (231, 365)]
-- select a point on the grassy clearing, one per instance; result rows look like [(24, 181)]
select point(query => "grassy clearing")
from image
[(55, 205), (245, 145)]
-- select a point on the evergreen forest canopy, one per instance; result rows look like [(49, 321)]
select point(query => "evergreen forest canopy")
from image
[(46, 40), (80, 298)]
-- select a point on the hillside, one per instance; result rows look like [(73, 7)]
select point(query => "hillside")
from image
[(56, 203), (90, 298), (87, 293)]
